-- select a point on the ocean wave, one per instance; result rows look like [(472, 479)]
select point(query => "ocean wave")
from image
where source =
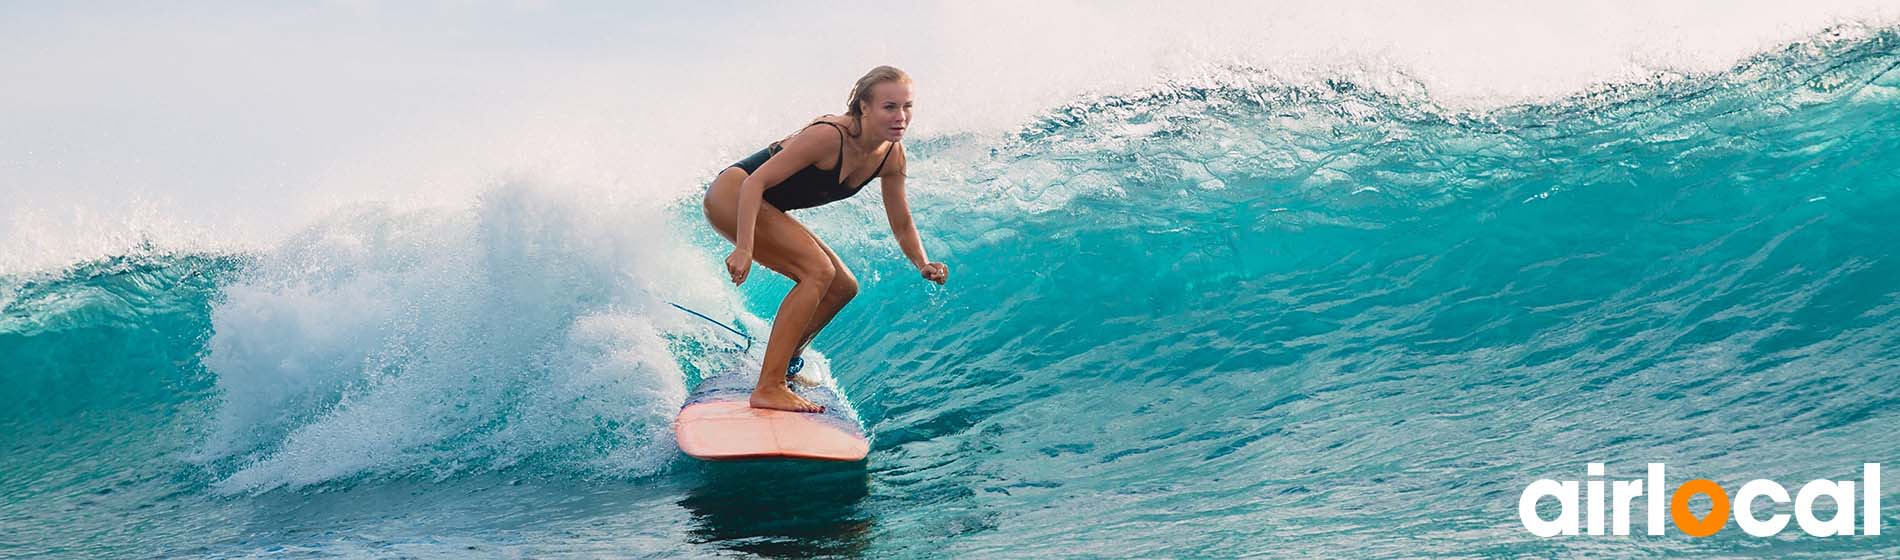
[(1235, 296)]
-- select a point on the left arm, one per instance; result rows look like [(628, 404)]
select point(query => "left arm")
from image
[(897, 209)]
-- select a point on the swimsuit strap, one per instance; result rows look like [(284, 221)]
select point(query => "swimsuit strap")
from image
[(880, 165), (836, 168)]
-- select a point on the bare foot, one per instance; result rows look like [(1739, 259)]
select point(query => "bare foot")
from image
[(777, 397)]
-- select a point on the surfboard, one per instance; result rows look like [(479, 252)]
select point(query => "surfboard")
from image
[(718, 424)]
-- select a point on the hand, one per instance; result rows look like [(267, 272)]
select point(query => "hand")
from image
[(935, 272), (739, 264)]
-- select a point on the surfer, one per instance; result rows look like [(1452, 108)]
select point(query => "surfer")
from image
[(829, 160)]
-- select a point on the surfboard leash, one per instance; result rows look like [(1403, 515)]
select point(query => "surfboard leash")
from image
[(748, 338), (791, 369)]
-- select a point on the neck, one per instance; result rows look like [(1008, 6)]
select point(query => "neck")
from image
[(865, 141)]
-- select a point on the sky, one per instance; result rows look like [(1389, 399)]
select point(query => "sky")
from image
[(233, 123)]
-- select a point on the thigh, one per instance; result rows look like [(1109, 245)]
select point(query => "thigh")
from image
[(778, 241)]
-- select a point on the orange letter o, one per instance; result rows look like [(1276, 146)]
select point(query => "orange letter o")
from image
[(1686, 521)]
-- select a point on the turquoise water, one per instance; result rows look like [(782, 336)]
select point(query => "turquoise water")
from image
[(1311, 319)]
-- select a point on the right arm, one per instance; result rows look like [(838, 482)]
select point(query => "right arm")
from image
[(796, 152)]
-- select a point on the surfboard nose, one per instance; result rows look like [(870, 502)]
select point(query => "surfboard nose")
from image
[(731, 430)]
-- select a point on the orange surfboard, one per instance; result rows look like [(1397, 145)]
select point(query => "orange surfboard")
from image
[(717, 424)]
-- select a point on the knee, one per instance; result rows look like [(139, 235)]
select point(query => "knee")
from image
[(819, 275), (843, 286)]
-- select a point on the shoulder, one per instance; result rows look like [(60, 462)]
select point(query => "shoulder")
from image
[(896, 166), (815, 138)]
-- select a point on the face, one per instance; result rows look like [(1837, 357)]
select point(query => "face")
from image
[(888, 110)]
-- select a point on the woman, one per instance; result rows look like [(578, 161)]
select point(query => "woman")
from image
[(829, 160)]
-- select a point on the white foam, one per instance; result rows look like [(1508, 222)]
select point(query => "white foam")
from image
[(252, 121), (437, 341), (40, 240)]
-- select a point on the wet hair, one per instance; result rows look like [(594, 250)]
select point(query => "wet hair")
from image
[(861, 92)]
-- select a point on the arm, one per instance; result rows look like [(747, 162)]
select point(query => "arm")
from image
[(794, 153), (797, 152), (897, 209)]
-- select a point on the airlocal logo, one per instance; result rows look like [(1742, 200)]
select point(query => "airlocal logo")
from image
[(1624, 492)]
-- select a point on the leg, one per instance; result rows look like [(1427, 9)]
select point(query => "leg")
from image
[(844, 286), (782, 245)]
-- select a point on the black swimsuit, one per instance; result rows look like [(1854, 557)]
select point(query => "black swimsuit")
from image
[(810, 186)]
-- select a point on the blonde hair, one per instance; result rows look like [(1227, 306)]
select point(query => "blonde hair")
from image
[(860, 93)]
